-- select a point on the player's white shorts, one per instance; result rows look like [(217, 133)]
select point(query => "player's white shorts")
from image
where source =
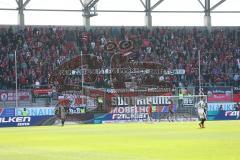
[(201, 113)]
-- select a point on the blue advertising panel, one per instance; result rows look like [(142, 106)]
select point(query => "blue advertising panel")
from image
[(36, 111), (223, 115), (26, 121), (7, 112), (130, 114), (221, 106), (40, 116), (110, 117), (47, 111)]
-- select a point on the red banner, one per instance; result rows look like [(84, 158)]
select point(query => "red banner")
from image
[(236, 97), (73, 100), (236, 94), (220, 97), (11, 95), (43, 93), (222, 94)]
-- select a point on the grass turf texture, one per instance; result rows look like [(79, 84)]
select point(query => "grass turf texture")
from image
[(220, 140)]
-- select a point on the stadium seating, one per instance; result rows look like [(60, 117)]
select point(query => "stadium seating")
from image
[(40, 50)]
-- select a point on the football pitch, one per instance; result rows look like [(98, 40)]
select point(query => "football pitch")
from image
[(220, 140)]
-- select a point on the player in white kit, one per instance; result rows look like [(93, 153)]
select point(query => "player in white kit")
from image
[(201, 109)]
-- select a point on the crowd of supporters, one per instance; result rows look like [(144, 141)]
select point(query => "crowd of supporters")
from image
[(40, 50)]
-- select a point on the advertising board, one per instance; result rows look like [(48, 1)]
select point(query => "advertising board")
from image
[(7, 112), (236, 94), (130, 113), (36, 111), (223, 115), (9, 95), (26, 121), (219, 94), (221, 106)]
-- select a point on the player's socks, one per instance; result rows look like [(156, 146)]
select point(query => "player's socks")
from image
[(200, 125), (203, 124)]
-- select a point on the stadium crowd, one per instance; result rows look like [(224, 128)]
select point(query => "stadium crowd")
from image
[(40, 50)]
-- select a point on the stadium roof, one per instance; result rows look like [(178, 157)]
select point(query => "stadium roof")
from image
[(145, 9)]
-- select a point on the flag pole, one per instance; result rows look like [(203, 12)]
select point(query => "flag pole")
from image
[(199, 72), (16, 79)]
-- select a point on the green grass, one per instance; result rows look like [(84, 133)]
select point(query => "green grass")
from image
[(220, 140)]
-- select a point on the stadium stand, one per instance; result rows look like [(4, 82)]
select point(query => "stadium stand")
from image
[(42, 49)]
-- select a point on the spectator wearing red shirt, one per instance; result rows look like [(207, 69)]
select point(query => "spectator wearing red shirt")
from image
[(150, 111)]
